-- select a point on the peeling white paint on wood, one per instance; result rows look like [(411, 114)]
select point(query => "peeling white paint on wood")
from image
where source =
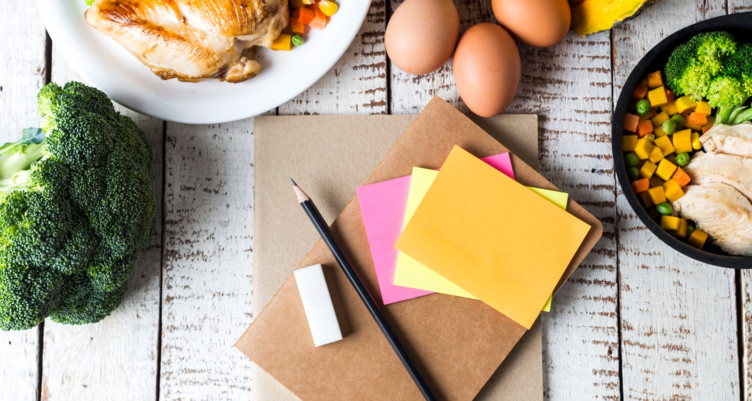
[(120, 352), (206, 292), (678, 316), (22, 70)]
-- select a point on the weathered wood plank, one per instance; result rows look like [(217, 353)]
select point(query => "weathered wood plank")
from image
[(737, 6), (121, 350), (559, 84), (678, 316), (22, 74), (357, 84), (207, 260), (569, 87)]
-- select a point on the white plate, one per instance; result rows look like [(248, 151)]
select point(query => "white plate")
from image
[(102, 62)]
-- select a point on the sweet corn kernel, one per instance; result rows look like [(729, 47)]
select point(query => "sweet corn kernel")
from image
[(696, 144), (697, 238), (628, 142), (647, 169), (672, 190), (703, 108), (670, 109), (327, 7), (665, 169), (684, 103), (656, 154), (643, 148), (683, 141), (657, 195), (657, 96), (664, 143), (669, 222), (659, 118), (283, 42)]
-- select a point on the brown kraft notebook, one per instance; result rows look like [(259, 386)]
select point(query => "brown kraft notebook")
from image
[(458, 342)]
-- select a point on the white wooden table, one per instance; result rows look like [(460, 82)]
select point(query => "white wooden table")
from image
[(637, 321)]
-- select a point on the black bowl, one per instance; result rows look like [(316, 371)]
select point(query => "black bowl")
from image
[(739, 25)]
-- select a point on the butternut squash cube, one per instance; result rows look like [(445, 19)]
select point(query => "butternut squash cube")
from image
[(670, 109), (684, 103), (665, 169), (683, 141), (703, 108), (656, 154), (672, 190), (643, 148), (657, 195), (628, 142), (682, 230), (659, 119), (670, 223), (647, 169), (665, 144), (657, 96), (697, 238)]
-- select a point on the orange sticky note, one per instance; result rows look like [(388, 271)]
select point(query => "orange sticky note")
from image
[(492, 237)]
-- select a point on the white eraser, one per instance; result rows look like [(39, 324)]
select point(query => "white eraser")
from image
[(317, 303)]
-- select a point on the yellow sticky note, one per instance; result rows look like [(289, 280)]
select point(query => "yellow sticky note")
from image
[(411, 273), (492, 237)]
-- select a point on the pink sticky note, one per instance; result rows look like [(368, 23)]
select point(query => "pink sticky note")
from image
[(383, 207)]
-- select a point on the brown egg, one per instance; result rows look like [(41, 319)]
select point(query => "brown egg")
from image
[(540, 23), (487, 69), (421, 35)]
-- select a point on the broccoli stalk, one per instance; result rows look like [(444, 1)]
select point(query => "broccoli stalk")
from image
[(76, 210)]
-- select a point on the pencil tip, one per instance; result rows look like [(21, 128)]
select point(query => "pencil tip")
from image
[(293, 182)]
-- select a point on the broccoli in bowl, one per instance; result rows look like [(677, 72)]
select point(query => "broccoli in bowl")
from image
[(76, 210)]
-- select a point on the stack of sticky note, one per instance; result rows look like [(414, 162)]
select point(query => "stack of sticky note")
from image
[(470, 230)]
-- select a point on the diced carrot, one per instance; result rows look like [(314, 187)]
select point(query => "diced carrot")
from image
[(644, 128), (294, 14), (306, 15), (640, 92), (630, 122), (297, 27), (319, 22), (641, 185), (705, 128), (670, 95), (696, 120), (655, 80), (681, 177)]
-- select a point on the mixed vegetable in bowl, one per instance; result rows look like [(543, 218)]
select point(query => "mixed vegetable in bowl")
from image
[(704, 86)]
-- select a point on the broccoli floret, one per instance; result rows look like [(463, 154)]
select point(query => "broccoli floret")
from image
[(726, 92), (692, 65), (76, 210), (739, 66)]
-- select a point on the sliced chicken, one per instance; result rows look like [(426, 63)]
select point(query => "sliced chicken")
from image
[(721, 211), (729, 139), (193, 40), (705, 168)]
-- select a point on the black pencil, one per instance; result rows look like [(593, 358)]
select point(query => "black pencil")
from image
[(360, 288)]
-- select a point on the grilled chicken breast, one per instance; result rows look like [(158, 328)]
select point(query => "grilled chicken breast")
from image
[(192, 40), (731, 170), (721, 211), (729, 139)]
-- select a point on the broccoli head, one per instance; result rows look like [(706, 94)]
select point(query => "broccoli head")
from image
[(739, 66), (692, 65), (726, 92), (76, 210)]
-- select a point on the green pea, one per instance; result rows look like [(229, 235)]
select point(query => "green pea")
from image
[(633, 173), (642, 106), (690, 228), (678, 120), (665, 208), (682, 159), (669, 126), (297, 40), (631, 159)]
